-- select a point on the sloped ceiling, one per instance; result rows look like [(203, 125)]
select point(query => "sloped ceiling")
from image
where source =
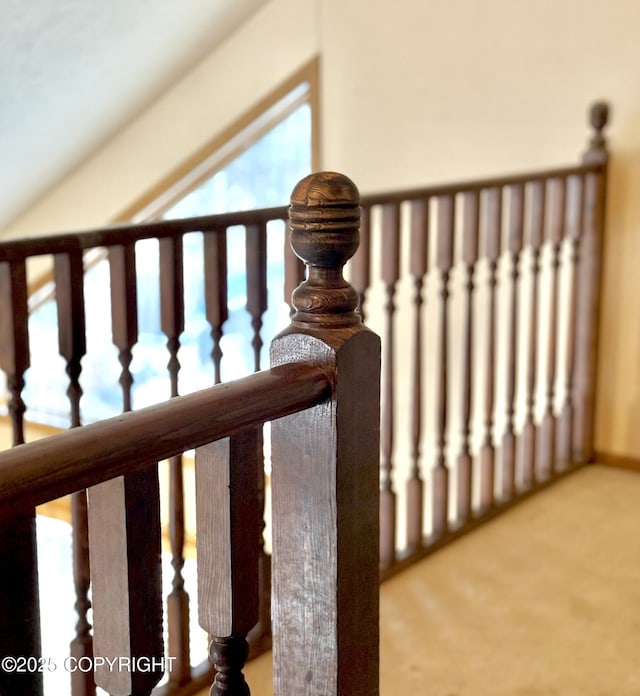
[(73, 72)]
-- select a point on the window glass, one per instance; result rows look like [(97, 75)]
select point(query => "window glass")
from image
[(262, 175)]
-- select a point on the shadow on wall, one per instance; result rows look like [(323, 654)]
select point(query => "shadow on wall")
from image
[(618, 401)]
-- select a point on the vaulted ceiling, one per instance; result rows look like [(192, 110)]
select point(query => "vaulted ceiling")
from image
[(73, 72)]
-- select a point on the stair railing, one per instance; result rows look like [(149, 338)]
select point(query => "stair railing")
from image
[(486, 294), (322, 397)]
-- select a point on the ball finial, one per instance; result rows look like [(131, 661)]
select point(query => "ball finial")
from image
[(599, 115), (324, 218), (598, 119)]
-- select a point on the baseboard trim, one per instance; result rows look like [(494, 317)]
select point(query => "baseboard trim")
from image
[(617, 460)]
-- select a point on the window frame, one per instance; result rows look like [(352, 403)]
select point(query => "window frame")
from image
[(234, 140)]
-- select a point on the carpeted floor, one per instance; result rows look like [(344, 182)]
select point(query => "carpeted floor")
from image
[(544, 601)]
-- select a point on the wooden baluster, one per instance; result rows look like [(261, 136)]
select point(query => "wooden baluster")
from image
[(124, 312), (470, 232), (256, 258), (215, 291), (19, 604), (228, 519), (14, 339), (419, 264), (172, 302), (536, 236), (293, 270), (575, 205), (440, 478), (69, 280), (487, 453), (82, 683), (124, 538), (260, 636), (589, 283), (556, 198), (516, 218), (325, 470), (172, 323), (390, 275), (361, 263)]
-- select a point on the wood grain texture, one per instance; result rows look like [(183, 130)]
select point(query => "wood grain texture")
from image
[(229, 523), (56, 466), (325, 526), (324, 217), (124, 544), (325, 470)]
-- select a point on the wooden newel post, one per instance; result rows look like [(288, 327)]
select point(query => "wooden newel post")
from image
[(325, 477), (588, 286)]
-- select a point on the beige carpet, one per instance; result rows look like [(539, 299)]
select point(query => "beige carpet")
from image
[(544, 601)]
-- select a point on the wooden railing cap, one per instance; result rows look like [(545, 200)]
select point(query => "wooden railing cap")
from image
[(324, 218)]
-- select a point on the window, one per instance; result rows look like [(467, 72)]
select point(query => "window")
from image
[(254, 168)]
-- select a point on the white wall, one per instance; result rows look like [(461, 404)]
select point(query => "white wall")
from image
[(413, 92), (417, 92)]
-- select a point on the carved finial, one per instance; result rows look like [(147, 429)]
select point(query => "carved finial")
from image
[(598, 118), (324, 217)]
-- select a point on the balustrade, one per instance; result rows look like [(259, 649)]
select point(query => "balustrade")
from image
[(322, 394), (487, 296)]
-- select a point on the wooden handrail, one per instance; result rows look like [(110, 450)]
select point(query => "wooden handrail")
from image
[(12, 250), (50, 468), (476, 185), (133, 232)]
